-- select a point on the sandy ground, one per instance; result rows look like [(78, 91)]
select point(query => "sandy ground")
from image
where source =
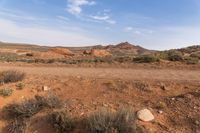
[(87, 90), (112, 73)]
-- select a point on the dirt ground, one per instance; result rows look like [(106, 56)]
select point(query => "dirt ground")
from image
[(86, 90)]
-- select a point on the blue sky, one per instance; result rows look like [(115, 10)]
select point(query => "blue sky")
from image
[(153, 24)]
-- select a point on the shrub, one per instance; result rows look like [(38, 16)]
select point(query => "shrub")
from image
[(20, 86), (50, 101), (6, 92), (17, 126), (11, 76), (146, 59), (195, 55), (175, 56), (30, 107), (122, 121), (161, 105), (62, 122), (191, 60)]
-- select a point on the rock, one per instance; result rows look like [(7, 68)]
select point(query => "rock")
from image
[(160, 111), (173, 99), (45, 88), (197, 122), (163, 86), (145, 115), (100, 53)]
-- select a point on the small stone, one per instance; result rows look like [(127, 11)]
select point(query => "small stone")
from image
[(105, 105), (173, 99), (160, 111), (197, 122), (45, 88), (145, 115), (162, 86)]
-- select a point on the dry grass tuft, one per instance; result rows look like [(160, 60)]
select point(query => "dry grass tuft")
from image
[(11, 76), (6, 92), (122, 121), (62, 122), (28, 108)]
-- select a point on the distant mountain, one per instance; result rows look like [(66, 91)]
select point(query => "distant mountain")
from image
[(125, 48)]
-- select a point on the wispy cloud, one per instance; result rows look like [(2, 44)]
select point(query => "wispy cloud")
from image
[(128, 29), (104, 18), (12, 32), (137, 31), (63, 18), (75, 6), (18, 15)]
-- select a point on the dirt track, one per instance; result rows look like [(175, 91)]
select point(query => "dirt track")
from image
[(112, 73)]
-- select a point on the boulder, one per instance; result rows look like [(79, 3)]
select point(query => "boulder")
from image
[(145, 115)]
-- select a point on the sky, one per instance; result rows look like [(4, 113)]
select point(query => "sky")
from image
[(153, 24)]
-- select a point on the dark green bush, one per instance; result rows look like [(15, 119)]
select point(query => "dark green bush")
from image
[(191, 60), (175, 56), (146, 59)]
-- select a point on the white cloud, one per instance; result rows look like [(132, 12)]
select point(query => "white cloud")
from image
[(101, 18), (75, 6), (138, 32), (12, 32), (105, 18), (128, 29)]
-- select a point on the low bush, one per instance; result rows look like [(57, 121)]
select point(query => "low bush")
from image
[(146, 59), (122, 121), (11, 76), (6, 92), (20, 86), (28, 108), (17, 126), (191, 60), (62, 122), (174, 55), (195, 55)]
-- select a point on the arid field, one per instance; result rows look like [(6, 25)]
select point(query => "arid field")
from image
[(102, 89)]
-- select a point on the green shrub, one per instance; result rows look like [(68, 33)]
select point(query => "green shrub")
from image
[(20, 86), (146, 59), (62, 122), (11, 76), (175, 56), (195, 55), (191, 60), (6, 92), (122, 121)]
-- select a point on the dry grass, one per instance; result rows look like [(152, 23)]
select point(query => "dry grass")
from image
[(11, 76), (6, 92), (62, 122), (17, 126), (20, 86), (19, 113), (122, 121), (28, 108)]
